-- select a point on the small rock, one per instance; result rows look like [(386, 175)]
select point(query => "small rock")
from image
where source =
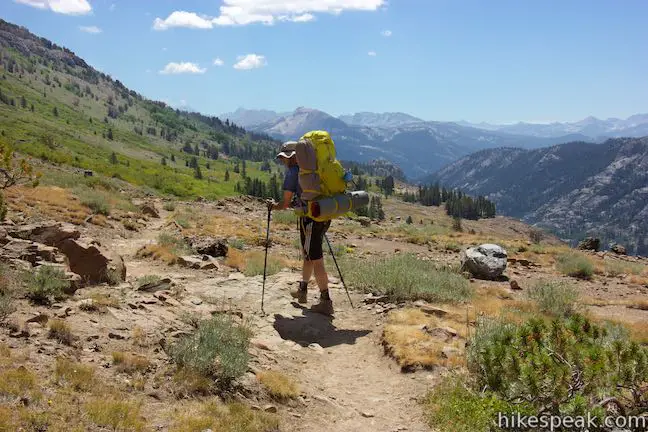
[(255, 408), (371, 299), (40, 319), (172, 302), (589, 243), (132, 305), (196, 301), (211, 265), (618, 249), (429, 309), (260, 344), (368, 414), (150, 210), (117, 336), (270, 408), (316, 347), (161, 285), (155, 395), (515, 285)]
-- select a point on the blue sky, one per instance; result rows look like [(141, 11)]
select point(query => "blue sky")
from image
[(475, 60)]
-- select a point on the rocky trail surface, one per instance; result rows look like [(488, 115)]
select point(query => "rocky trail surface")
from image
[(346, 381)]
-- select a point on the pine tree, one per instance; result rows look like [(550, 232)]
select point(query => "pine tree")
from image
[(197, 172), (23, 102), (172, 158), (164, 160), (244, 172), (207, 165), (32, 108), (113, 158), (236, 168), (409, 220), (227, 175), (55, 111), (110, 134)]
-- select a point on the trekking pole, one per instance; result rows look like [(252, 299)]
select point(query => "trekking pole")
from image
[(338, 269), (265, 263)]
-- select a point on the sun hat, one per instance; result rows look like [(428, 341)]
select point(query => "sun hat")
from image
[(287, 149)]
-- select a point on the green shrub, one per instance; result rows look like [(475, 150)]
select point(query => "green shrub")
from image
[(237, 243), (404, 277), (3, 208), (46, 284), (286, 217), (184, 223), (217, 348), (575, 264), (453, 247), (554, 297), (563, 367), (456, 224), (95, 201), (8, 288), (169, 206), (455, 406), (175, 244)]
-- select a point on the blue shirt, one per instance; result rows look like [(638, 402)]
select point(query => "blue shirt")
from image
[(291, 182)]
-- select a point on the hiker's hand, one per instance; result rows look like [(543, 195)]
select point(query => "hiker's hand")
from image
[(271, 204)]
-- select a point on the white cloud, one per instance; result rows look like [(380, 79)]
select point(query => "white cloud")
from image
[(90, 29), (67, 7), (250, 61), (386, 33), (183, 19), (372, 53), (182, 68), (243, 12), (218, 62)]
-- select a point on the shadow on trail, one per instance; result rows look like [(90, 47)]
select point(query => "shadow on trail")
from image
[(315, 328)]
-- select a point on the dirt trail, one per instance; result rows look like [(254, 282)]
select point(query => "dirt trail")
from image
[(346, 382)]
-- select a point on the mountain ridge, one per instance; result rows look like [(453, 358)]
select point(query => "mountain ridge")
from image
[(574, 189)]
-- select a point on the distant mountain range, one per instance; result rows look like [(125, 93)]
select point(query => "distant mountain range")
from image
[(574, 189), (634, 126), (418, 147)]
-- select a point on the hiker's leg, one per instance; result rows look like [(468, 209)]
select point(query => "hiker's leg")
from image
[(320, 274), (307, 271)]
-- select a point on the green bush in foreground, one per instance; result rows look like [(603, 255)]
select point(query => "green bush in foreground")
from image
[(404, 277), (565, 367), (218, 348)]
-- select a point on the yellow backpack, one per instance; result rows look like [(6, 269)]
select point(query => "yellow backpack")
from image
[(321, 175)]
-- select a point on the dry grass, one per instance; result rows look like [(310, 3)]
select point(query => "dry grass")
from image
[(78, 376), (214, 415), (19, 382), (61, 331), (251, 263), (406, 340), (278, 385), (130, 363), (187, 383), (116, 414), (48, 201), (139, 337), (167, 249), (100, 303)]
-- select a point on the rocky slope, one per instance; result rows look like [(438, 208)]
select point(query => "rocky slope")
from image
[(573, 189)]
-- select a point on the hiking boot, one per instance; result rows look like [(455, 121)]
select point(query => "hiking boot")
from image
[(301, 293), (324, 307)]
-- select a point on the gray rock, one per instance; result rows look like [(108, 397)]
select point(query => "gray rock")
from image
[(429, 309), (161, 285), (208, 246), (487, 261), (364, 221), (270, 408), (619, 250), (150, 210)]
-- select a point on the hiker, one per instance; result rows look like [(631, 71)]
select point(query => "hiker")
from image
[(311, 234)]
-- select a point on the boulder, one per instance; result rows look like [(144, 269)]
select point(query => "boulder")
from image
[(92, 264), (48, 233), (619, 250), (208, 246), (150, 210), (161, 285), (590, 243), (487, 261)]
